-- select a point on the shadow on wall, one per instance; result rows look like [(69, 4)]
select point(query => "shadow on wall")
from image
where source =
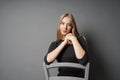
[(97, 71)]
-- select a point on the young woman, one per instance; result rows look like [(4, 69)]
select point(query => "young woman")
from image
[(69, 46)]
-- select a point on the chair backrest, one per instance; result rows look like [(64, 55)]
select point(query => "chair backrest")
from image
[(65, 64)]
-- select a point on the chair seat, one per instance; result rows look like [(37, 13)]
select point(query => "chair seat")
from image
[(65, 78)]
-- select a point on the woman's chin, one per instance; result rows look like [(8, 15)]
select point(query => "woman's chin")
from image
[(64, 34)]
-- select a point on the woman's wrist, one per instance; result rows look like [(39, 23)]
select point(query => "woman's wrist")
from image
[(73, 38), (64, 42)]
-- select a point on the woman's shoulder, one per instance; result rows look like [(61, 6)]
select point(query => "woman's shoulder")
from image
[(82, 38), (53, 42)]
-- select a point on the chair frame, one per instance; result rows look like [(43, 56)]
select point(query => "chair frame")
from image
[(66, 64)]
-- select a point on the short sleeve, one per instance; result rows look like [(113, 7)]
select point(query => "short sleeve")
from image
[(83, 43), (51, 48)]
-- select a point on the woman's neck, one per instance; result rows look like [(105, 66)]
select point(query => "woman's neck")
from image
[(63, 37)]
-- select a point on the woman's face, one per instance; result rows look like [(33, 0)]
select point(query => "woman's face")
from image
[(65, 26)]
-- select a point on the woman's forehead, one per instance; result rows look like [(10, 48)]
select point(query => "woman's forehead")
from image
[(67, 19)]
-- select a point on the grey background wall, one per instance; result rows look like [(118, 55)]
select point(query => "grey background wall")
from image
[(28, 27)]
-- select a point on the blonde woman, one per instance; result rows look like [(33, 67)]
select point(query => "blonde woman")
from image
[(69, 46)]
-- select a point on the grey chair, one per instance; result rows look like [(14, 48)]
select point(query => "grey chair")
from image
[(64, 64)]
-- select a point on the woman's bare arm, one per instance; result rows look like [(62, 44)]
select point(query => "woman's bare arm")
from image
[(79, 51), (51, 56)]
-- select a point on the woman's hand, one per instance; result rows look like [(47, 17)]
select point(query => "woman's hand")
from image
[(65, 41), (70, 38)]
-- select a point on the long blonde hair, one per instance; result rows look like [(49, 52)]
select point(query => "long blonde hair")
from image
[(74, 27)]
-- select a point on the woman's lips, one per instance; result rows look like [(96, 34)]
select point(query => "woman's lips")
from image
[(64, 30)]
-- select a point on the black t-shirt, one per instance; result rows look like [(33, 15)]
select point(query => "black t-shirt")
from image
[(68, 55)]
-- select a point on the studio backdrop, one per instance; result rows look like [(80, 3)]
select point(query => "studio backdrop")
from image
[(27, 27)]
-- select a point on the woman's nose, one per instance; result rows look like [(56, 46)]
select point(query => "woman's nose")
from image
[(65, 26)]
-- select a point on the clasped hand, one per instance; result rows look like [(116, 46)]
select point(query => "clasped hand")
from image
[(69, 38)]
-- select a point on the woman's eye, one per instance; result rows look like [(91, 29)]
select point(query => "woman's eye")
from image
[(69, 24), (62, 23)]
